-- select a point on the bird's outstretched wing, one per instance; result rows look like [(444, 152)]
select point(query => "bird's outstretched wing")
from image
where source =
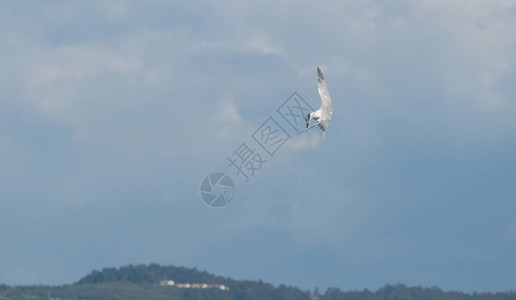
[(323, 92)]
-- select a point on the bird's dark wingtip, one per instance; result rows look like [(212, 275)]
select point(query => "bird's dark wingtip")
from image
[(319, 73)]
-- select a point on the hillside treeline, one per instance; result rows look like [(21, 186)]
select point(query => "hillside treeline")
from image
[(137, 282)]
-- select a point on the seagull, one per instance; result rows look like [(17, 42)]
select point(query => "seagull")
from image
[(323, 115)]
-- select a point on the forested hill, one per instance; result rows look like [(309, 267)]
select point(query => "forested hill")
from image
[(136, 282), (152, 273)]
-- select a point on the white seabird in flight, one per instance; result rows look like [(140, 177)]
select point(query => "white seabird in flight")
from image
[(323, 115)]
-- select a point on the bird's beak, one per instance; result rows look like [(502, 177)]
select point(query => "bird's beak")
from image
[(306, 124)]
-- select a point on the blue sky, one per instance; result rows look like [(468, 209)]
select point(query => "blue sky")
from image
[(112, 113)]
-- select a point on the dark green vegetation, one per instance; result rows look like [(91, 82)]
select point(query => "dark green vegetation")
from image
[(142, 282)]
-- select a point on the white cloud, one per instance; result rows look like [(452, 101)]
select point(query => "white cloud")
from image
[(226, 122), (479, 34), (362, 17), (361, 75), (57, 77), (261, 44), (305, 141)]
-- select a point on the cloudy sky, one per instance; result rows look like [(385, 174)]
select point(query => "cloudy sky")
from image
[(113, 112)]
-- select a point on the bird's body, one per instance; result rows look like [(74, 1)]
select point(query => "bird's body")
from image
[(323, 114), (321, 117)]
